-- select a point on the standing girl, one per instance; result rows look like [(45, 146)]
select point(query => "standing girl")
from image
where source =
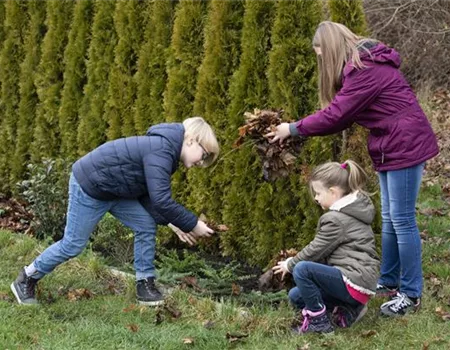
[(360, 82), (338, 270)]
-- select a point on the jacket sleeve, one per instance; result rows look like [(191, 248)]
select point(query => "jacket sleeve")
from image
[(360, 88), (158, 171), (329, 236)]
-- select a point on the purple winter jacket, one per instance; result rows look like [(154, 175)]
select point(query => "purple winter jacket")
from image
[(378, 98)]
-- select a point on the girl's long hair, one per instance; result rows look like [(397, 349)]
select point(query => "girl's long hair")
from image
[(338, 45), (348, 176)]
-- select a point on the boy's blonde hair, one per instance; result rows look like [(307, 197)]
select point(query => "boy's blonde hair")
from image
[(348, 176), (338, 45), (201, 132)]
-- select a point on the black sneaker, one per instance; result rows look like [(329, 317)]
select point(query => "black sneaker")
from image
[(147, 293), (315, 322), (400, 305), (24, 289), (345, 316), (385, 291)]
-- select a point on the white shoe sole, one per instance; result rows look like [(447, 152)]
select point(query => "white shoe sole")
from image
[(151, 303)]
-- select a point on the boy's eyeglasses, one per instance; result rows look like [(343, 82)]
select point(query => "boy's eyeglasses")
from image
[(205, 154)]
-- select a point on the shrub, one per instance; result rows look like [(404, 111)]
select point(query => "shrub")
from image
[(47, 194)]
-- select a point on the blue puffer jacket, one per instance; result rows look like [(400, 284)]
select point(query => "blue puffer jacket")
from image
[(138, 167)]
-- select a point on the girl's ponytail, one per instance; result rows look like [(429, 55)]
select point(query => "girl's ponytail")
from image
[(349, 176), (357, 177)]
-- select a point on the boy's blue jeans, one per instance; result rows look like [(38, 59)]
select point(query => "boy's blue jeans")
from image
[(401, 263), (318, 285), (83, 214)]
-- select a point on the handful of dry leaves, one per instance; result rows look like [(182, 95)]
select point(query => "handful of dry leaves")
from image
[(277, 160), (269, 282)]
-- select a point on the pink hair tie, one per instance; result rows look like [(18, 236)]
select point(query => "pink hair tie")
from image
[(344, 165)]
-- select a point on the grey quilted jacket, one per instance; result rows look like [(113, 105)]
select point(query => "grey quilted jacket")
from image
[(345, 240)]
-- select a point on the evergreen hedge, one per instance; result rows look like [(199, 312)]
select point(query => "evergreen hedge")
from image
[(86, 72)]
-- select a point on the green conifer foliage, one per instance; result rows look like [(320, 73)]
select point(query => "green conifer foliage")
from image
[(248, 90), (28, 94), (119, 112), (151, 76), (2, 22), (92, 125), (185, 56), (11, 56), (350, 13), (222, 52), (75, 56), (284, 215), (49, 79)]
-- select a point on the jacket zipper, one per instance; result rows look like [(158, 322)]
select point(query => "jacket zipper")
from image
[(382, 152)]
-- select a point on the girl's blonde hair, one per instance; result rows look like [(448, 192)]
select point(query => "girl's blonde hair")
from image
[(338, 45), (348, 176), (201, 132)]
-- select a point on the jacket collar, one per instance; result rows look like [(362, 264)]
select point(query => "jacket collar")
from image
[(344, 201)]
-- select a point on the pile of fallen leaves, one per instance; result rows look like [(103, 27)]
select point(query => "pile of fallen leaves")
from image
[(14, 216), (269, 282), (277, 160)]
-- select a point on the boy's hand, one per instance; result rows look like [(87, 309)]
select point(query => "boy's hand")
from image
[(202, 230), (183, 236), (281, 133), (282, 268)]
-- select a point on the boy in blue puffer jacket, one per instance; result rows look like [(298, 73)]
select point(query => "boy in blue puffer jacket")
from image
[(130, 178)]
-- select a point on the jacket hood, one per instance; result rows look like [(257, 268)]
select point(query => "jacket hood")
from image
[(172, 132), (381, 53), (357, 205)]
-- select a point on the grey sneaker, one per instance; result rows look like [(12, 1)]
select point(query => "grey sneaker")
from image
[(147, 293), (400, 305), (24, 289), (385, 291), (345, 316), (315, 322)]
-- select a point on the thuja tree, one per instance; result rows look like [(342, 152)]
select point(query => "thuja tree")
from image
[(184, 59), (128, 21), (49, 79), (221, 59), (11, 56), (283, 213), (349, 13), (151, 76), (248, 89), (92, 126), (28, 94), (75, 57)]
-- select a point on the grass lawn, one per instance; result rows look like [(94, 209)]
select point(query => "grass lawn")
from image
[(83, 306)]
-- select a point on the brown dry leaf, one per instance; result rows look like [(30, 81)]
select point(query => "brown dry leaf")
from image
[(444, 315), (304, 347), (425, 346), (77, 294), (233, 337), (369, 333), (235, 289), (133, 327), (5, 297), (188, 341), (222, 228), (129, 308), (175, 313), (328, 343), (191, 281)]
